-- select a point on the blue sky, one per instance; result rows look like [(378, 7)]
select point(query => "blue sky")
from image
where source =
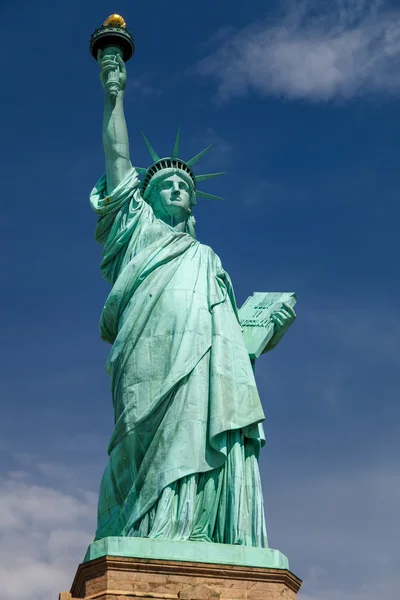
[(301, 102)]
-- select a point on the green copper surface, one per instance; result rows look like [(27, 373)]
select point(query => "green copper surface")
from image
[(257, 318), (223, 554), (183, 457), (150, 148), (175, 164), (175, 149)]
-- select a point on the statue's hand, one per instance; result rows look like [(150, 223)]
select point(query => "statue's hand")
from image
[(111, 62), (282, 319)]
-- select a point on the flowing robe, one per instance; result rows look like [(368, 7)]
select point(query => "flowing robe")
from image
[(183, 457)]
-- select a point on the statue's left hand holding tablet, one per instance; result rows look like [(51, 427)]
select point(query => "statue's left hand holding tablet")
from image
[(282, 320)]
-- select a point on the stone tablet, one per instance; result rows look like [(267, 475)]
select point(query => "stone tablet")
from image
[(255, 318)]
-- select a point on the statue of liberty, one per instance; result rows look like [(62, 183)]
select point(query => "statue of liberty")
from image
[(183, 457)]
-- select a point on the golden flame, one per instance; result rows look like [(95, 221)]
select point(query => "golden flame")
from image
[(115, 20)]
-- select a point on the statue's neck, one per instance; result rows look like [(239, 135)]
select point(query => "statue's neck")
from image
[(176, 221)]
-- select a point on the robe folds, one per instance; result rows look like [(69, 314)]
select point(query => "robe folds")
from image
[(183, 457)]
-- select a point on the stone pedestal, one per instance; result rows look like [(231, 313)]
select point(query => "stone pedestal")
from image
[(121, 578)]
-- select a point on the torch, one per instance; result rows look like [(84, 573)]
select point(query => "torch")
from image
[(113, 38)]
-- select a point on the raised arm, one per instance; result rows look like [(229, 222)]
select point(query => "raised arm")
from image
[(115, 133)]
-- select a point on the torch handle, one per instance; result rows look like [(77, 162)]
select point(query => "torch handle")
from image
[(113, 85)]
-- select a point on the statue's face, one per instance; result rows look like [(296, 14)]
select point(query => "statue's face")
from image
[(172, 197)]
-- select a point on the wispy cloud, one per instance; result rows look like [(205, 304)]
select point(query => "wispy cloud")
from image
[(220, 157), (145, 84), (314, 50), (44, 534)]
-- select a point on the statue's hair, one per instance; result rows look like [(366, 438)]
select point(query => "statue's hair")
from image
[(190, 226)]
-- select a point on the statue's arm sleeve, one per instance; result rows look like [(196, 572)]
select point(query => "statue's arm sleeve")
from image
[(121, 214), (118, 209)]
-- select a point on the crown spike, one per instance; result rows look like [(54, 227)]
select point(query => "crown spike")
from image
[(207, 196), (150, 148), (175, 149), (141, 171), (208, 176), (194, 160)]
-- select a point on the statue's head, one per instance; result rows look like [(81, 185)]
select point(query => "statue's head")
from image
[(171, 194), (169, 186)]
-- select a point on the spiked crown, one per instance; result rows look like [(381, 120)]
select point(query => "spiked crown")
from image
[(173, 162)]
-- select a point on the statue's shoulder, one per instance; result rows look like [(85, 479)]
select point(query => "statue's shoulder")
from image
[(210, 254), (206, 250)]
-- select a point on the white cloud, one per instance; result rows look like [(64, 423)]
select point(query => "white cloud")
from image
[(315, 51), (44, 534)]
